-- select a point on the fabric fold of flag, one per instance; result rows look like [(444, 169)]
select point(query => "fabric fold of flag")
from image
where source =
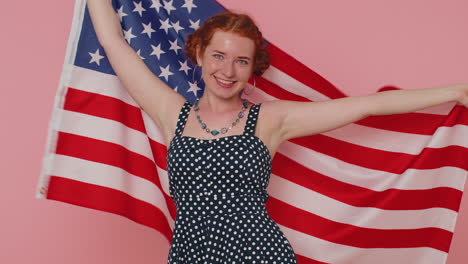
[(385, 189)]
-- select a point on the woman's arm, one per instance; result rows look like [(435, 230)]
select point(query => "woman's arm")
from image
[(158, 100), (306, 118)]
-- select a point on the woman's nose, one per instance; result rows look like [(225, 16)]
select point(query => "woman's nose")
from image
[(228, 69)]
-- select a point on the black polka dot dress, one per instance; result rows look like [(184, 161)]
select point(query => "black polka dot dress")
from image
[(219, 188)]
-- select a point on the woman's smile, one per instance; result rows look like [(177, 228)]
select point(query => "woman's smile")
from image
[(224, 83)]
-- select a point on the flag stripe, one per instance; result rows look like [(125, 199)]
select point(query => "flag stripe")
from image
[(378, 159), (411, 122), (346, 234), (108, 200), (292, 67), (311, 247)]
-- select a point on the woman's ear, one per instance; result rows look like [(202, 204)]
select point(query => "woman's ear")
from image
[(198, 55)]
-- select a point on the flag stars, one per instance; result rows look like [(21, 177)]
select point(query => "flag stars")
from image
[(165, 72), (157, 51), (147, 29), (176, 27), (189, 5), (139, 54), (165, 25), (193, 88), (128, 35), (156, 5), (96, 57), (184, 67), (168, 6), (139, 8), (121, 13), (194, 25), (174, 46)]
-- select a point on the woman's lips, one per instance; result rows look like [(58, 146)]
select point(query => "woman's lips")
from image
[(224, 83)]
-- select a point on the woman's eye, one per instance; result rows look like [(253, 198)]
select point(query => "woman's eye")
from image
[(243, 62), (217, 56)]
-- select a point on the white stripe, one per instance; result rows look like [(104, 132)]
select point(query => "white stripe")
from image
[(153, 131), (366, 217), (329, 252), (411, 179), (446, 136), (111, 177), (292, 85)]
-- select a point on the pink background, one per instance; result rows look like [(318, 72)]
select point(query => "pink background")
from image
[(358, 45)]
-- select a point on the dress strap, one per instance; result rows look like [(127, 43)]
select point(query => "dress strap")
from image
[(184, 113), (251, 122)]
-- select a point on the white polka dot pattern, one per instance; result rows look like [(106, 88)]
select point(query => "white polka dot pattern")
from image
[(219, 188)]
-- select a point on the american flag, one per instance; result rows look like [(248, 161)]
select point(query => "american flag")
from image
[(384, 189)]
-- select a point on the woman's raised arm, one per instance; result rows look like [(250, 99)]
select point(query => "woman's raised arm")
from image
[(307, 118), (157, 99)]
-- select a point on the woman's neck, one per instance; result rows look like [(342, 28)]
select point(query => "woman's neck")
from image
[(219, 105)]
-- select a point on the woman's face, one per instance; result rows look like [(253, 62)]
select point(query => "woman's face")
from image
[(227, 63)]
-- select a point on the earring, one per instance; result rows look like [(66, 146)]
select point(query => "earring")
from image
[(193, 74), (251, 89)]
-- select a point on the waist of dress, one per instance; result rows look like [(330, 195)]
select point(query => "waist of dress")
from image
[(224, 204)]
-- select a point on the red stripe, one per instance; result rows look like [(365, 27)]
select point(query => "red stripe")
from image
[(350, 235), (114, 155), (108, 200), (429, 158), (392, 199), (412, 122), (106, 153), (105, 107), (292, 67)]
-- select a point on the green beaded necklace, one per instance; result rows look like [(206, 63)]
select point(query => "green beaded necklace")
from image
[(223, 130)]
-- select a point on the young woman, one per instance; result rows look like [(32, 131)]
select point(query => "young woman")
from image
[(220, 148)]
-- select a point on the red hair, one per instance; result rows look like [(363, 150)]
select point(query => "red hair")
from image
[(228, 21)]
